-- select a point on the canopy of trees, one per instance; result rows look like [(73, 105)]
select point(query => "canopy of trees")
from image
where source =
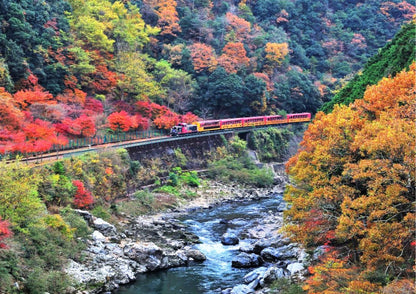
[(353, 190)]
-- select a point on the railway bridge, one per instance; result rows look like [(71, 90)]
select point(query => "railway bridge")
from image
[(145, 148)]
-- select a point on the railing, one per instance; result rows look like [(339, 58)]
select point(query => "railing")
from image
[(107, 139), (79, 143)]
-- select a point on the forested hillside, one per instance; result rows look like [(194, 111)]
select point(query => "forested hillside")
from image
[(73, 69), (390, 60)]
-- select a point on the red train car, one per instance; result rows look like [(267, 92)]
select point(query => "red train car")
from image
[(242, 122)]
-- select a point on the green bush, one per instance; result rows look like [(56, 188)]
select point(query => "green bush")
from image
[(144, 197), (241, 170), (168, 190), (271, 144), (101, 212), (77, 222), (19, 201), (58, 168), (40, 282), (56, 189), (9, 270), (190, 178), (180, 157), (286, 286)]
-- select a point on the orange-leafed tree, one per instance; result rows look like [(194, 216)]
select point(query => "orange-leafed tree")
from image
[(24, 98), (141, 123), (150, 110), (392, 10), (167, 120), (239, 26), (354, 180), (203, 57), (10, 116), (234, 57), (82, 198), (121, 121), (72, 96), (168, 20), (82, 126), (266, 78), (37, 136), (31, 92), (189, 118)]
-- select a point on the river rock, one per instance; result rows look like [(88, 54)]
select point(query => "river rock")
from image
[(275, 254), (104, 227), (242, 289), (98, 237), (270, 254), (271, 274), (247, 248), (244, 260), (148, 254), (196, 255), (295, 268), (229, 239), (264, 243), (251, 276)]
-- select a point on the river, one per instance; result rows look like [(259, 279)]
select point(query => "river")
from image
[(216, 272)]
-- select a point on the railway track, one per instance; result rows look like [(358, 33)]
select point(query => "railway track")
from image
[(40, 159)]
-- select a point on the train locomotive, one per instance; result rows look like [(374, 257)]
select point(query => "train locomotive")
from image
[(242, 122)]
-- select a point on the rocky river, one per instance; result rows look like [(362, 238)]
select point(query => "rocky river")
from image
[(227, 244)]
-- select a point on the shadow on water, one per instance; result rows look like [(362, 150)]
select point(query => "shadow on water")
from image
[(216, 272)]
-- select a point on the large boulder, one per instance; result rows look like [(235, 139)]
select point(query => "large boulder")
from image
[(275, 254), (147, 254), (229, 239), (251, 276), (296, 268), (104, 227), (273, 273), (196, 255), (245, 260)]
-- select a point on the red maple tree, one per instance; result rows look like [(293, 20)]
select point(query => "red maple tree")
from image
[(83, 198), (4, 232)]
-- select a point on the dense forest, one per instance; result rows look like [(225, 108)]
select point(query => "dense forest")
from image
[(73, 69)]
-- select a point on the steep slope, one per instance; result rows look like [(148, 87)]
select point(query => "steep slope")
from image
[(393, 58)]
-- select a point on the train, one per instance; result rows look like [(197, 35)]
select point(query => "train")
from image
[(233, 123)]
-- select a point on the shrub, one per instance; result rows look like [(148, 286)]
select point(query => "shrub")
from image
[(56, 221), (9, 270), (4, 232), (144, 197), (19, 201), (77, 222), (101, 212), (272, 144), (168, 190), (190, 178), (83, 197), (286, 286)]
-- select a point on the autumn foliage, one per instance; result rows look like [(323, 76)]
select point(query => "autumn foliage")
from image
[(167, 120), (354, 180), (203, 57), (121, 121), (83, 198), (4, 232), (234, 57)]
